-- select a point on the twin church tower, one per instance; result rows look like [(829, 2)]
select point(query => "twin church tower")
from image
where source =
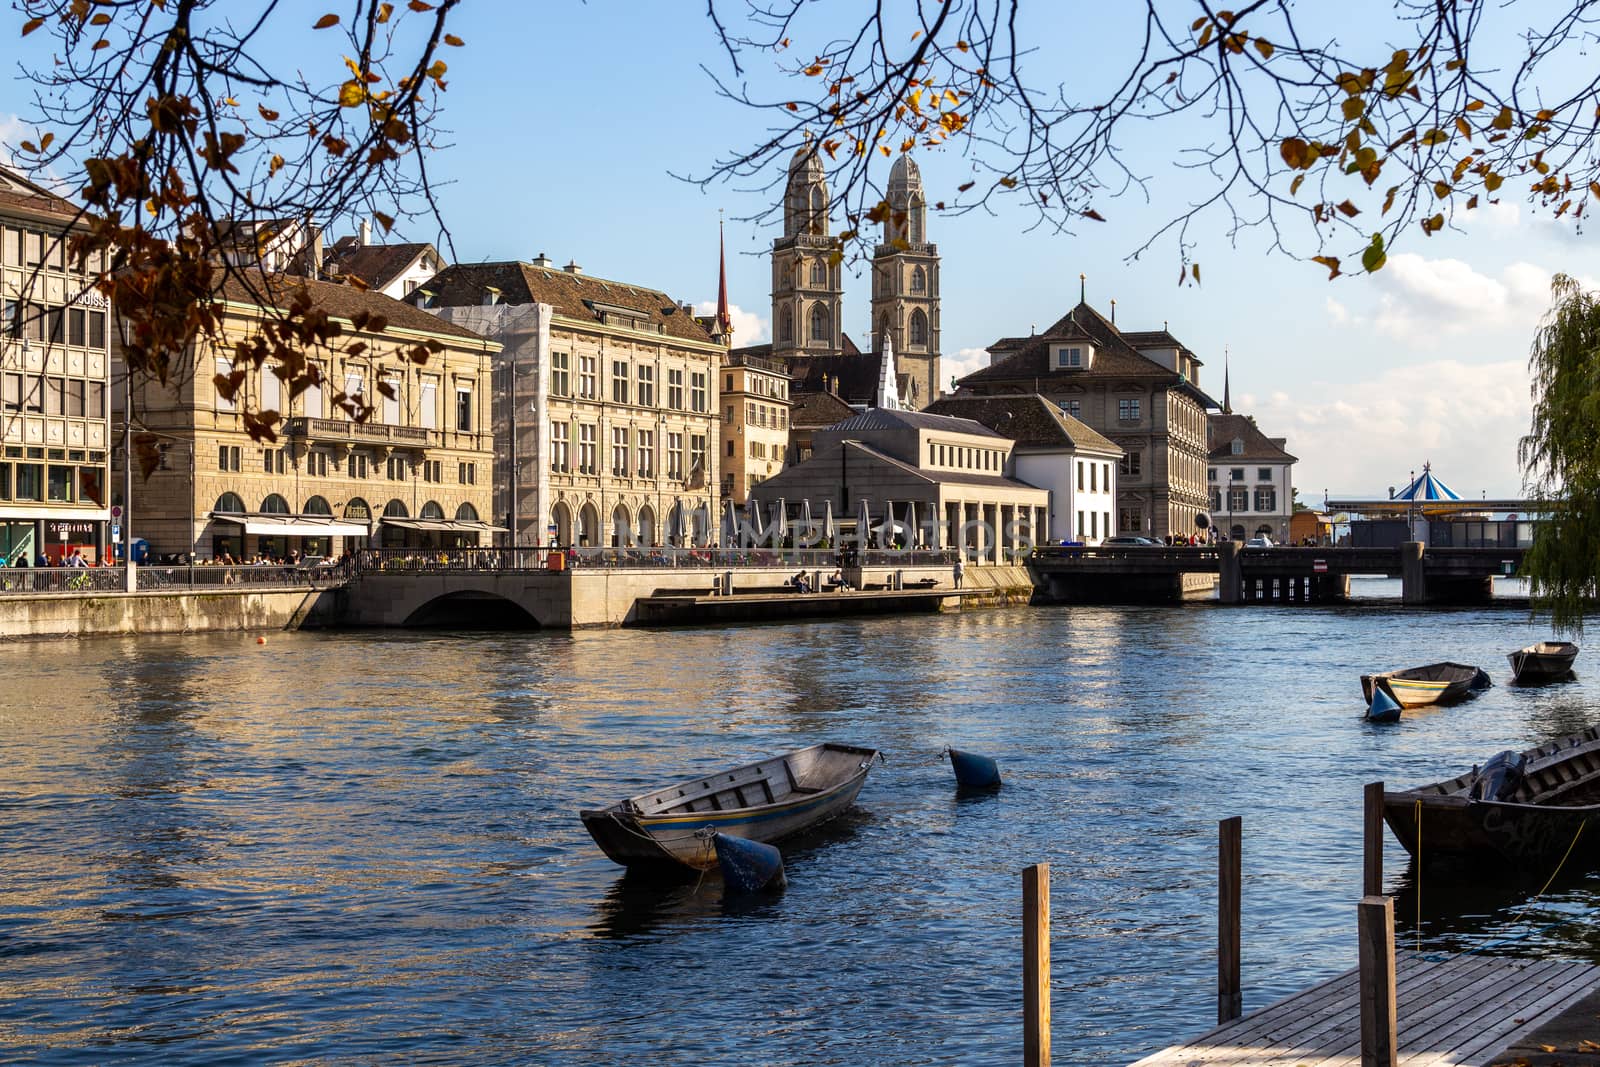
[(808, 294)]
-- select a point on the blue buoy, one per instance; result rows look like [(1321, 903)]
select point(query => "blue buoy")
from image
[(749, 866), (1384, 707), (974, 771)]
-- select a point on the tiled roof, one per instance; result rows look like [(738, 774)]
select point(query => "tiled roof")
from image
[(892, 419), (814, 410), (1222, 430), (1113, 355), (569, 293), (17, 191), (1029, 419), (377, 265), (343, 301), (947, 477)]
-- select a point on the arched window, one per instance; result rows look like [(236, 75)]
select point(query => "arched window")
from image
[(819, 274), (229, 504), (919, 280), (785, 277), (821, 324), (317, 506), (358, 509), (466, 513), (919, 328), (819, 209), (786, 325), (431, 510), (275, 505), (395, 509)]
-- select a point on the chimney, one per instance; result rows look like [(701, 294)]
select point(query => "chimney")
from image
[(365, 233), (316, 249), (542, 260), (572, 267)]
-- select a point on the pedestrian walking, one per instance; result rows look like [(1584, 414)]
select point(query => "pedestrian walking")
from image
[(959, 569)]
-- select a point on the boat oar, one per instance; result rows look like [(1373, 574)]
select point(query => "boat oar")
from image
[(1384, 707), (748, 866), (972, 770)]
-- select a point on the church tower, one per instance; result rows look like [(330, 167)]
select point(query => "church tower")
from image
[(905, 286), (807, 292)]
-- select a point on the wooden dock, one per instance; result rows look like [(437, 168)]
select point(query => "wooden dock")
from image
[(1462, 1011), (690, 609)]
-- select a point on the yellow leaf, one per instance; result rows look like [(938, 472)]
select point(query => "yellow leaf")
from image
[(453, 41), (351, 94), (325, 21), (1264, 46), (230, 101), (384, 11), (1476, 105), (1503, 120), (1331, 262), (274, 166), (101, 43), (1352, 107), (1009, 182), (418, 5), (44, 142), (1466, 130), (964, 46), (1491, 181)]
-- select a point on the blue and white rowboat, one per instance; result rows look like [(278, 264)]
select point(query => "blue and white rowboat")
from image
[(765, 801)]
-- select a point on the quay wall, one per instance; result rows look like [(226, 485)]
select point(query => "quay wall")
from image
[(47, 615)]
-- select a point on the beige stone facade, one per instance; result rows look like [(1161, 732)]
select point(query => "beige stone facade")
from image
[(755, 424), (54, 366), (416, 474), (607, 413)]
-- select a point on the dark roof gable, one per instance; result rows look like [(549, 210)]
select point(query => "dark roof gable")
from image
[(1223, 430), (1029, 419)]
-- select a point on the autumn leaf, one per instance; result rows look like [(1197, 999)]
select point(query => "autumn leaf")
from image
[(325, 21), (1331, 262), (1349, 210), (1373, 256), (1091, 213), (31, 25), (1264, 47), (1009, 182), (453, 41), (386, 221), (964, 186), (1195, 270), (267, 113)]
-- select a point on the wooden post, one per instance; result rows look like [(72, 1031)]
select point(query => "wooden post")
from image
[(1230, 1001), (1372, 840), (1379, 1019), (1036, 966)]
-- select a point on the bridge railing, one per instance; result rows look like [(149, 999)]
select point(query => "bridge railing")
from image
[(155, 578), (500, 560), (1204, 555)]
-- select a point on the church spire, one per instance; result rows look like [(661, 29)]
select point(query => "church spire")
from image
[(724, 319), (1227, 402), (888, 383)]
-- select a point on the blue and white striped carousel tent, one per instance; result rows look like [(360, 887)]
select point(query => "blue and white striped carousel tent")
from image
[(1427, 488)]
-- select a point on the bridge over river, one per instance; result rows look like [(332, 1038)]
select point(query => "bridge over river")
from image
[(1156, 574)]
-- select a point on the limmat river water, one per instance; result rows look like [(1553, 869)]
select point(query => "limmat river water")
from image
[(364, 847)]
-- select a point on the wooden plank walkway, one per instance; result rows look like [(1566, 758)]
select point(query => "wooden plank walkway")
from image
[(1464, 1011)]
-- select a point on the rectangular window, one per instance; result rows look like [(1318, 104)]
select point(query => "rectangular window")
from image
[(355, 387), (647, 453), (588, 462), (317, 464), (271, 391), (33, 393), (1128, 410), (1094, 524), (311, 399), (1080, 475), (1129, 520), (560, 447), (560, 374), (699, 399), (620, 447), (1073, 408), (398, 469), (619, 381), (675, 456), (464, 409), (12, 392), (467, 473), (5, 481), (647, 386), (1216, 499), (32, 252), (60, 484), (1238, 499), (1266, 499), (56, 320), (55, 396), (699, 457), (76, 332), (1080, 530), (588, 379), (675, 389), (1094, 479), (428, 404), (1236, 474), (1129, 464), (11, 247), (1211, 474), (1263, 474), (30, 481), (391, 404), (97, 329)]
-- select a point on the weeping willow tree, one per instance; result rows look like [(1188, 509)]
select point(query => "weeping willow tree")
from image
[(1560, 456)]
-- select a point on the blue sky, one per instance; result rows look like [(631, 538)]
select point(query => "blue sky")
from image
[(568, 119)]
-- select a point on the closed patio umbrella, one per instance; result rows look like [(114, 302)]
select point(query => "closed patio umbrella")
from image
[(808, 533), (911, 524), (780, 523), (730, 532), (863, 524), (828, 530)]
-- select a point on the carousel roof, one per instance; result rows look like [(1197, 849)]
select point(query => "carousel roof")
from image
[(1425, 487)]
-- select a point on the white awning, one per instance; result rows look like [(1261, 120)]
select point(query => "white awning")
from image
[(293, 525), (437, 525)]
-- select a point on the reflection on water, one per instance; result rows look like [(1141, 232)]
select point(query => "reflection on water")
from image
[(365, 847)]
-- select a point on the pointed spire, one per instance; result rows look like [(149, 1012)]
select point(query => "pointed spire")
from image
[(724, 319), (1083, 288), (1227, 401), (888, 383)]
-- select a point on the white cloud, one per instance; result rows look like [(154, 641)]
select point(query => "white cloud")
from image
[(1495, 217), (1426, 302), (1338, 314), (1359, 438), (962, 363), (749, 328)]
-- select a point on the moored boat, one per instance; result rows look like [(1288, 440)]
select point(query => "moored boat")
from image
[(1546, 661), (765, 801), (1436, 683), (1524, 812)]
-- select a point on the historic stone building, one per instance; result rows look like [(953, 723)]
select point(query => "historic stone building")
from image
[(54, 378), (1250, 477), (755, 423), (415, 474), (808, 293), (606, 415), (1139, 389)]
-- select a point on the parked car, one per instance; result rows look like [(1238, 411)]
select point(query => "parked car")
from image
[(1129, 541), (1259, 542)]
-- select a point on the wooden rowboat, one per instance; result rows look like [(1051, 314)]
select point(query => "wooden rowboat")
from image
[(1437, 683), (1523, 812), (1546, 661), (765, 801)]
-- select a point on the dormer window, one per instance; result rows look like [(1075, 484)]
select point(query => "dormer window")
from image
[(1073, 357), (1238, 446), (491, 296)]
